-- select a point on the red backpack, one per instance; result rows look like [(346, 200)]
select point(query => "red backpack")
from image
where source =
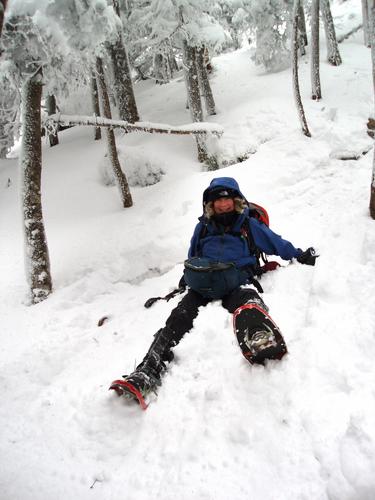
[(259, 213)]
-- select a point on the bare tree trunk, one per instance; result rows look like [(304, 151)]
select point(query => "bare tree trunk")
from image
[(295, 46), (315, 71), (51, 110), (302, 42), (194, 98), (119, 175), (333, 54), (122, 77), (3, 5), (36, 249), (195, 104), (95, 105), (366, 26), (371, 31), (204, 82), (162, 69)]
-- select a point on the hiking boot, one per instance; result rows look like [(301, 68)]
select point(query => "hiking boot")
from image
[(143, 382)]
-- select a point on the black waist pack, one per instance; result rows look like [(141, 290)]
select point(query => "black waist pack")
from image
[(213, 279)]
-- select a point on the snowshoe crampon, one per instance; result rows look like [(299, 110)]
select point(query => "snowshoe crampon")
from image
[(258, 336), (127, 389)]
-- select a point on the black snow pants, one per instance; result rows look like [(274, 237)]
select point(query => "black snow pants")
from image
[(181, 318)]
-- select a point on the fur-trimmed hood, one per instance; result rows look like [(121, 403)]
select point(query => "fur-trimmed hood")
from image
[(240, 202), (239, 206)]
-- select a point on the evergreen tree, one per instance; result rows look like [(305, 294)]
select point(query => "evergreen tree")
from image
[(271, 22)]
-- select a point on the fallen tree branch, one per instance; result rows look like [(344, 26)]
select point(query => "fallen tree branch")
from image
[(341, 38), (201, 128), (348, 154)]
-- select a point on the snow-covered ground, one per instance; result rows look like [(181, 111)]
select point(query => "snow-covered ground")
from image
[(299, 429)]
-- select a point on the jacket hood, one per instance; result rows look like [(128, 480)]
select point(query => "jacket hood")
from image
[(225, 182)]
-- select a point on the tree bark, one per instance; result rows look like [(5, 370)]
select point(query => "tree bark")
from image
[(51, 110), (36, 249), (316, 92), (204, 83), (371, 13), (3, 5), (122, 77), (333, 54), (295, 46), (302, 42), (366, 27), (162, 70), (119, 175), (193, 93), (95, 105)]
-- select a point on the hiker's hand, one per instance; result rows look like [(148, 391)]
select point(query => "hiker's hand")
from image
[(308, 257)]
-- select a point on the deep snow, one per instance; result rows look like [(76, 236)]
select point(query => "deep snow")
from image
[(302, 428)]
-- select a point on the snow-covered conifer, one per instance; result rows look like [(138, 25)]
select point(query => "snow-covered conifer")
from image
[(271, 22), (9, 110)]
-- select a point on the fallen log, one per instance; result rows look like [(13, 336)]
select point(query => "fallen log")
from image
[(198, 128)]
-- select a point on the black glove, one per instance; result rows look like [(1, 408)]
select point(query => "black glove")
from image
[(308, 257)]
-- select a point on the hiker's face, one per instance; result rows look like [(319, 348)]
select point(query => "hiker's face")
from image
[(223, 205)]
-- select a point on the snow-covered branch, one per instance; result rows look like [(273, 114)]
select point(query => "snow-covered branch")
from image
[(201, 128)]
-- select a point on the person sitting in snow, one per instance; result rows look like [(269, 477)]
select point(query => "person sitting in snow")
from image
[(221, 264)]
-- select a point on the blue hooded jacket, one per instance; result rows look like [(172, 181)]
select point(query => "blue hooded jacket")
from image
[(231, 246)]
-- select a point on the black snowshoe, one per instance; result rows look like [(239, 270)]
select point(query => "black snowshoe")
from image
[(258, 336)]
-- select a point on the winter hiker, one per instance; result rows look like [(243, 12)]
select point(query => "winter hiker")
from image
[(222, 261)]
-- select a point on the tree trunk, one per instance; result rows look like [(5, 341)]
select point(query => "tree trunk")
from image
[(51, 110), (193, 94), (119, 175), (366, 27), (295, 46), (302, 42), (333, 54), (162, 70), (95, 105), (122, 77), (195, 104), (3, 5), (371, 31), (204, 83), (315, 71), (36, 249)]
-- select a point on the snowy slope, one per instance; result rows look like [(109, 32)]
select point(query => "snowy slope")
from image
[(302, 428)]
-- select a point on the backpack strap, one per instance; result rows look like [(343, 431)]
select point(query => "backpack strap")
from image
[(202, 234)]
